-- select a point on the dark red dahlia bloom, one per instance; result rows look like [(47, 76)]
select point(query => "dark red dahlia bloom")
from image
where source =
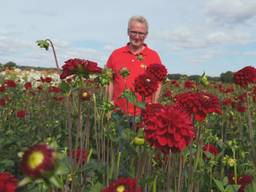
[(123, 185), (242, 180), (175, 83), (8, 182), (46, 79), (145, 85), (210, 148), (227, 101), (199, 104), (38, 161), (240, 103), (21, 114), (158, 71), (10, 83), (79, 155), (2, 102), (245, 76), (28, 85), (189, 84), (2, 88), (79, 66), (54, 89), (167, 128)]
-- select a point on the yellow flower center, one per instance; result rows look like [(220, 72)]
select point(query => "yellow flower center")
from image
[(85, 94), (120, 188), (35, 159)]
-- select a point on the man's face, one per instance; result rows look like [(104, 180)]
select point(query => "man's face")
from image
[(137, 33)]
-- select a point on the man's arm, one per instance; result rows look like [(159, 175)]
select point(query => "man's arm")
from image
[(157, 93), (110, 91)]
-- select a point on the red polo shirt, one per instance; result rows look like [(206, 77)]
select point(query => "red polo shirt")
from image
[(122, 58)]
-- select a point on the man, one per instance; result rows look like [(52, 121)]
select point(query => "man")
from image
[(133, 57)]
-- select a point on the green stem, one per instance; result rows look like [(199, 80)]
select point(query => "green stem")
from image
[(54, 54)]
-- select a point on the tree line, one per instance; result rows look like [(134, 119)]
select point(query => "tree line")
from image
[(226, 77)]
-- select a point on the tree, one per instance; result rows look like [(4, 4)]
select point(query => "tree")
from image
[(10, 65), (226, 77)]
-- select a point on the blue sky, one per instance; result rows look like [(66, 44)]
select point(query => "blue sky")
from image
[(191, 36)]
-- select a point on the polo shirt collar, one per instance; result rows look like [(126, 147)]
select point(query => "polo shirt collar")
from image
[(143, 52)]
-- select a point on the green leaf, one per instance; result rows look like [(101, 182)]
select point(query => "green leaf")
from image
[(219, 184), (225, 180), (232, 188), (55, 181), (65, 87), (24, 181), (97, 187), (43, 44)]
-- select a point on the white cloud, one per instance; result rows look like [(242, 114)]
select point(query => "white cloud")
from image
[(229, 12)]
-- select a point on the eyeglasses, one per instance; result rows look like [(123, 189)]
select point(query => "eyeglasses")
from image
[(140, 34)]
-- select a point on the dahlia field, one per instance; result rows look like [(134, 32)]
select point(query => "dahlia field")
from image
[(59, 132)]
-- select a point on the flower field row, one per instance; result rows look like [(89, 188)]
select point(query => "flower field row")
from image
[(59, 132)]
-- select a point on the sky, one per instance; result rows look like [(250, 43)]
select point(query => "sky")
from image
[(191, 36)]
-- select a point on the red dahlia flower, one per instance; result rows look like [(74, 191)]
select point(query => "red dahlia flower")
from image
[(79, 155), (10, 83), (2, 88), (245, 76), (54, 89), (189, 84), (46, 79), (200, 104), (145, 85), (2, 102), (79, 66), (28, 85), (157, 70), (210, 148), (38, 161), (241, 180), (167, 128), (123, 185), (8, 182), (21, 114)]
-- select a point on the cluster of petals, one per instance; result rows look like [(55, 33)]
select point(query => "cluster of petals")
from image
[(158, 71), (210, 148), (188, 84), (38, 161), (240, 103), (145, 84), (21, 114), (245, 76), (28, 85), (167, 128), (10, 83), (79, 66), (242, 180), (79, 155), (8, 182), (123, 185), (198, 103)]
